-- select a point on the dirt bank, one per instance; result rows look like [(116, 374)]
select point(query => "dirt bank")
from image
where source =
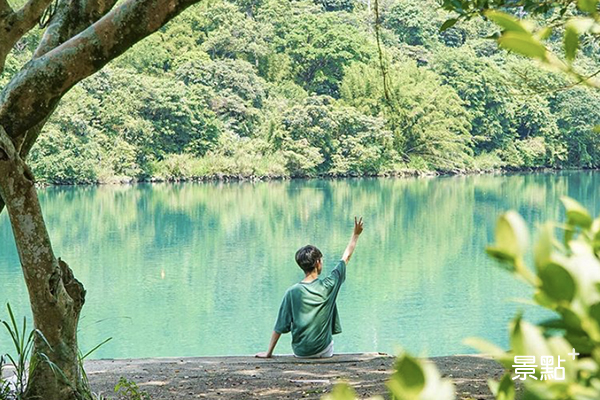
[(282, 377)]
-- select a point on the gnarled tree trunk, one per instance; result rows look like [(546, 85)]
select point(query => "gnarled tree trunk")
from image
[(56, 296), (81, 37)]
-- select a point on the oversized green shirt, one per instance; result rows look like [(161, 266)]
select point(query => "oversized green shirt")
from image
[(308, 310)]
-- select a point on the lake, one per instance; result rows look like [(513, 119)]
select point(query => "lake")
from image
[(199, 269)]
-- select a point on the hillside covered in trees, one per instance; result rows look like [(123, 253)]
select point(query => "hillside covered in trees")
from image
[(273, 88)]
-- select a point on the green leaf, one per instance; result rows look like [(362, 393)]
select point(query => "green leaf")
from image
[(576, 213), (86, 355), (581, 25), (527, 340), (523, 43), (571, 42), (436, 388), (448, 24), (572, 320), (409, 375), (341, 391), (553, 323), (595, 312), (587, 5), (596, 233), (505, 389), (544, 33), (543, 247), (506, 21), (507, 260), (543, 300), (557, 283), (569, 233), (512, 236), (582, 343)]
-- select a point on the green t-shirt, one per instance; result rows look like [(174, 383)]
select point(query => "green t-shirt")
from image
[(308, 310)]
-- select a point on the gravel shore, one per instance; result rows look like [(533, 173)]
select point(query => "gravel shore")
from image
[(282, 377)]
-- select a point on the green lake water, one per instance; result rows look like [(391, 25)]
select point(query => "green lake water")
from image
[(200, 269)]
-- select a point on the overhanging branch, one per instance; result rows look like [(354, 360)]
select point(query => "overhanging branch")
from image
[(30, 14), (33, 93), (69, 19), (15, 24), (5, 8)]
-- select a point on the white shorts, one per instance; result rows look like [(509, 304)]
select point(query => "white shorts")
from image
[(328, 352)]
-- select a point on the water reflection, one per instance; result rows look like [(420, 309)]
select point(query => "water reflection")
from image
[(199, 269)]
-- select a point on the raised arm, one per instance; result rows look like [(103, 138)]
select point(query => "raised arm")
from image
[(358, 228)]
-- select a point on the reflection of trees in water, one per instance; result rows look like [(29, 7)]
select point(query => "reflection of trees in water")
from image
[(226, 250)]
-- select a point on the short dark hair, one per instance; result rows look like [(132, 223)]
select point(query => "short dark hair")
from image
[(307, 257)]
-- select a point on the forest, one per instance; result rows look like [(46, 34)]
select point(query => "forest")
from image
[(280, 88)]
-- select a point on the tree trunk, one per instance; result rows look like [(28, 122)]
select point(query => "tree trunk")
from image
[(82, 37), (56, 296)]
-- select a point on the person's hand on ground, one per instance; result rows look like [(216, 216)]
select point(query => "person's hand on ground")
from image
[(264, 354), (358, 226)]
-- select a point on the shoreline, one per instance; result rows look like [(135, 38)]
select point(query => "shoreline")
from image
[(221, 178), (282, 377)]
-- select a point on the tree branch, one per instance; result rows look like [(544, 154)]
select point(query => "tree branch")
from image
[(7, 148), (5, 8), (71, 18), (15, 24), (30, 14), (33, 93)]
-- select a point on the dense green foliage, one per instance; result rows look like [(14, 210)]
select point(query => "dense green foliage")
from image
[(279, 88), (567, 283)]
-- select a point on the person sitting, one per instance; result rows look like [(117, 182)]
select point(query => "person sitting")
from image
[(308, 308)]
